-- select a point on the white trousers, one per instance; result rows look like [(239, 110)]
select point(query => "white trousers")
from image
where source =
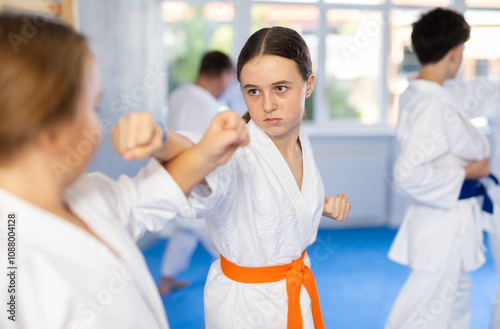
[(181, 246), (494, 241), (434, 300)]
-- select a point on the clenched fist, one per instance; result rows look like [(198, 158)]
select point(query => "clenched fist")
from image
[(337, 207), (137, 135)]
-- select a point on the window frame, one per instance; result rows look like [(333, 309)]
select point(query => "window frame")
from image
[(242, 24)]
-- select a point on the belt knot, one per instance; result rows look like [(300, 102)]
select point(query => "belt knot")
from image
[(296, 274)]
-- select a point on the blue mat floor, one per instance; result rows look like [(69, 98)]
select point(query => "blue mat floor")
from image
[(356, 282)]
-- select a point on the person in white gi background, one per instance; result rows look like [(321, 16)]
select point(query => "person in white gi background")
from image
[(481, 98), (191, 108), (73, 258), (441, 236), (492, 223)]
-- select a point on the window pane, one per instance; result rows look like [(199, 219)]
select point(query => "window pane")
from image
[(482, 53), (299, 1), (352, 64), (483, 3), (481, 57), (430, 3), (403, 61), (360, 2), (302, 18), (191, 30)]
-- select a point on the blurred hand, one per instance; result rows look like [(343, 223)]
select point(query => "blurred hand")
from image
[(478, 169), (337, 207), (137, 135), (226, 133)]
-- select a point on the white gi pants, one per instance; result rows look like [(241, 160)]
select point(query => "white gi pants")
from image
[(434, 300), (181, 246), (494, 241)]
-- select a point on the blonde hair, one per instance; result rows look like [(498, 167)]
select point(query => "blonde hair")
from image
[(41, 77)]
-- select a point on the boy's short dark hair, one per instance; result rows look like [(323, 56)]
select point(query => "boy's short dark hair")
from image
[(214, 63), (437, 32)]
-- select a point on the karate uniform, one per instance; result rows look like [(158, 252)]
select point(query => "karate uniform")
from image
[(258, 217), (67, 279), (441, 237), (494, 239), (492, 223), (191, 108), (481, 98)]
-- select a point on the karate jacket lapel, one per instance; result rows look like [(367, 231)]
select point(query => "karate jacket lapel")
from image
[(272, 156), (124, 246)]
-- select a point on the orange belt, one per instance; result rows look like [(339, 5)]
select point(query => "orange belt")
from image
[(295, 274)]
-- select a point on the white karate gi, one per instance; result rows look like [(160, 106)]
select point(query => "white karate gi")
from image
[(492, 223), (182, 244), (494, 239), (191, 108), (481, 98), (440, 238), (67, 279), (258, 217)]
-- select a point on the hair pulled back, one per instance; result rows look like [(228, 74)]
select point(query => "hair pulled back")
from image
[(277, 41)]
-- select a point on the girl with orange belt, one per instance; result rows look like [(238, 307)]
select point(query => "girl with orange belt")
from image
[(265, 205)]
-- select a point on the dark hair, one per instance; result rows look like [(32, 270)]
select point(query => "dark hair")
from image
[(278, 41), (41, 76), (437, 32), (214, 63)]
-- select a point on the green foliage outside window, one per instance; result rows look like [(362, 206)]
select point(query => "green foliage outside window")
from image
[(192, 38), (338, 92)]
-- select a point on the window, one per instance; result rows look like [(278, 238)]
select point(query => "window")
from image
[(429, 3), (483, 3), (361, 2), (352, 64), (289, 1), (402, 60), (361, 49), (303, 19), (191, 30), (482, 52)]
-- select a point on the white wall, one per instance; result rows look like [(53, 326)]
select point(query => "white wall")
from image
[(126, 37), (361, 166)]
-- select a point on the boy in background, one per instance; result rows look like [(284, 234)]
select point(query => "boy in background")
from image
[(440, 238)]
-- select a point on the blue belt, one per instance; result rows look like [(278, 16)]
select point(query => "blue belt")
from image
[(473, 188)]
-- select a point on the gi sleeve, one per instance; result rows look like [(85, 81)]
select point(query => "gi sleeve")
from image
[(418, 172), (477, 98), (215, 195), (143, 203), (214, 199)]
